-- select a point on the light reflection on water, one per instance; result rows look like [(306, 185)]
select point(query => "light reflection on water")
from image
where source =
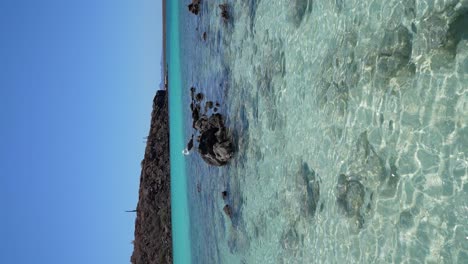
[(375, 91)]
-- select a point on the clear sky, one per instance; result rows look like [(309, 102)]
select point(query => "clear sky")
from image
[(77, 80)]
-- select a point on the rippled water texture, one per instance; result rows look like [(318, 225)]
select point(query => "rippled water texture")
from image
[(350, 119)]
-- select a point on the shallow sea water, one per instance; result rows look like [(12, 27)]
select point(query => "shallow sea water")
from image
[(375, 91)]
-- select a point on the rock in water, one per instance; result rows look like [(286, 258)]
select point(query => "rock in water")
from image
[(215, 144), (312, 187), (194, 7), (297, 9), (190, 144), (227, 210), (225, 12), (351, 197)]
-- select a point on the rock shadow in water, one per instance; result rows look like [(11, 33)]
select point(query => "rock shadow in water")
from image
[(270, 72), (351, 198), (394, 54), (457, 31), (292, 240), (366, 175), (310, 181), (297, 10)]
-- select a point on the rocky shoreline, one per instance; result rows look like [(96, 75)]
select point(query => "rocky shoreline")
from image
[(153, 237)]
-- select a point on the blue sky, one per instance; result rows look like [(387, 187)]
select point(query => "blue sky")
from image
[(77, 79)]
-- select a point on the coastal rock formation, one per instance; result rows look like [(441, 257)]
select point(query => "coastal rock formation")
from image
[(214, 142), (153, 238), (215, 146)]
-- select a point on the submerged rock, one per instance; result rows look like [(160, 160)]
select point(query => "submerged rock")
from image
[(352, 198), (297, 9), (313, 188)]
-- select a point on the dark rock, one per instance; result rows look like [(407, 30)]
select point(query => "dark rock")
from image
[(204, 36), (195, 115), (194, 7), (190, 144), (199, 97), (224, 194), (225, 12), (215, 145), (214, 142), (227, 210)]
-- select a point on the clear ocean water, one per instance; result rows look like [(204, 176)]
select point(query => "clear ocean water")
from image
[(351, 125)]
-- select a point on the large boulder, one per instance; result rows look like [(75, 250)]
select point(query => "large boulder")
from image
[(215, 145)]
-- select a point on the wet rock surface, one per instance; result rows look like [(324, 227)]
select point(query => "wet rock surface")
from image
[(215, 144)]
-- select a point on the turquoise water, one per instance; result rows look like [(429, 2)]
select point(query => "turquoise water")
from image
[(351, 123), (179, 203)]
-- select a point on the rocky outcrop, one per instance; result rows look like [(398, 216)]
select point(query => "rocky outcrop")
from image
[(214, 146), (214, 142), (153, 238)]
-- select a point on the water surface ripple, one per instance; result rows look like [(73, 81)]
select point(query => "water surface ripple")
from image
[(351, 121)]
